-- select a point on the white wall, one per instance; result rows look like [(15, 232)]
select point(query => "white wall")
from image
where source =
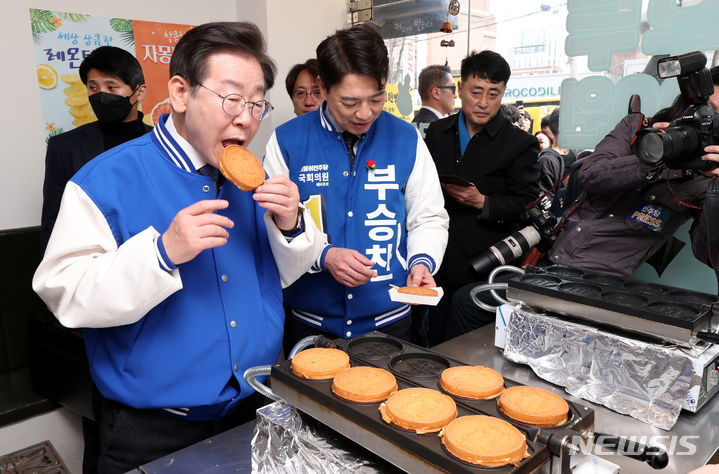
[(293, 28)]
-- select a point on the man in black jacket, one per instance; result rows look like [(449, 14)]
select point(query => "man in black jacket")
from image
[(116, 87), (499, 161)]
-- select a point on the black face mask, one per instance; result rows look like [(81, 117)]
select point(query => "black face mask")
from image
[(110, 107)]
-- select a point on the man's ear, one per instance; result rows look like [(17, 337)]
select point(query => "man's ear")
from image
[(435, 92), (322, 87), (141, 92), (179, 90)]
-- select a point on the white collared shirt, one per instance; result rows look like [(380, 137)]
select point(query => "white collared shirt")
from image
[(191, 153), (434, 111)]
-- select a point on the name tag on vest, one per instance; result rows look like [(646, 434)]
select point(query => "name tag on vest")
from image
[(652, 216)]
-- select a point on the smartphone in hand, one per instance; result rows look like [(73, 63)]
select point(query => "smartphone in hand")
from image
[(451, 179)]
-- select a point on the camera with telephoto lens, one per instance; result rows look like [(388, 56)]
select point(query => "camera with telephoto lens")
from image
[(681, 145), (539, 232)]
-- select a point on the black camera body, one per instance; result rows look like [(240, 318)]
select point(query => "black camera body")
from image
[(681, 145), (539, 232), (544, 222)]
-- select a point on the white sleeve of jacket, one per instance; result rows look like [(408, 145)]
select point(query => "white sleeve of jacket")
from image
[(274, 161), (87, 280), (427, 219), (299, 255)]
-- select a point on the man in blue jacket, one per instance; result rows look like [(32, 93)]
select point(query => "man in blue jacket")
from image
[(373, 190), (116, 87), (172, 272)]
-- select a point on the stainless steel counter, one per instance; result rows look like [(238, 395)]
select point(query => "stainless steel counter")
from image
[(230, 451), (692, 442), (226, 452)]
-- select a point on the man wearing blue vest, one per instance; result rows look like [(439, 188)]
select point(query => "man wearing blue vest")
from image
[(173, 273), (373, 190)]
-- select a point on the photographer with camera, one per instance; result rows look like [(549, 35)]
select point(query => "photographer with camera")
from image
[(642, 183)]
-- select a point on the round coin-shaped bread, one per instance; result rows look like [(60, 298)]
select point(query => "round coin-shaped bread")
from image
[(476, 382), (319, 363), (534, 406), (241, 167), (419, 409), (364, 384), (485, 441), (417, 290)]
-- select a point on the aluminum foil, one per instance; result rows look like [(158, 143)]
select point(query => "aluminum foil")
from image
[(646, 381), (287, 441)]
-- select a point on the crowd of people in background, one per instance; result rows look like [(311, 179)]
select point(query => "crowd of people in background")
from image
[(149, 236)]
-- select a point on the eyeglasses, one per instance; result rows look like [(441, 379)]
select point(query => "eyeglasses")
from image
[(234, 104), (301, 94), (452, 88)]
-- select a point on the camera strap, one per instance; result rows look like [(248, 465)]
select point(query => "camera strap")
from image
[(533, 257), (710, 223), (550, 190)]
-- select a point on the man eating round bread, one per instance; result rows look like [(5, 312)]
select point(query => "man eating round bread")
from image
[(175, 276)]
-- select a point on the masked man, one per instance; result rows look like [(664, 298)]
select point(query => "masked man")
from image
[(116, 87)]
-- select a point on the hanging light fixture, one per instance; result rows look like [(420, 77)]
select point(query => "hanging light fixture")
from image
[(452, 9)]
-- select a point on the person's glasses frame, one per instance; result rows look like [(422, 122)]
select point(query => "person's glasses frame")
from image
[(234, 104), (453, 88), (301, 94)]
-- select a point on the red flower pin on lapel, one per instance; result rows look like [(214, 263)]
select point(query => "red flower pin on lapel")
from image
[(371, 165)]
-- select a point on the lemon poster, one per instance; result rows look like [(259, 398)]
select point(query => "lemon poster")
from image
[(62, 40)]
